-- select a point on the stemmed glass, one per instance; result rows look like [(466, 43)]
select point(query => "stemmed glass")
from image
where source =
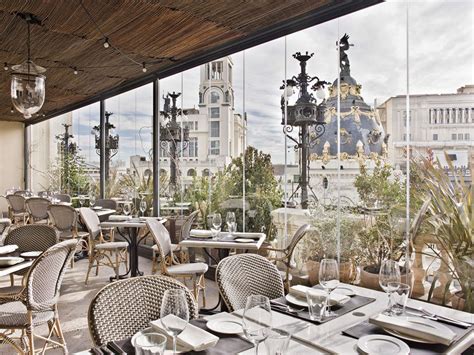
[(127, 208), (389, 280), (143, 206), (257, 319), (216, 224), (174, 313), (231, 223), (82, 199), (91, 200), (329, 280)]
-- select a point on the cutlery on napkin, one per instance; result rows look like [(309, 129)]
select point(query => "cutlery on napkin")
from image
[(192, 337), (299, 291), (200, 233), (255, 236), (119, 218), (419, 330)]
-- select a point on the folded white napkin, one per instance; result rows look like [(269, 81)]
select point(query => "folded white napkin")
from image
[(248, 235), (420, 329), (118, 218), (192, 337), (8, 249), (300, 292), (200, 233)]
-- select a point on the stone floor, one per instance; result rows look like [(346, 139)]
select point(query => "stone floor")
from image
[(75, 299)]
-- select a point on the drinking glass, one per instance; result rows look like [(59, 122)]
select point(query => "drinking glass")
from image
[(400, 297), (82, 199), (216, 224), (143, 206), (231, 223), (257, 319), (91, 200), (329, 280), (127, 208), (389, 280), (316, 305), (174, 314), (277, 342), (150, 344)]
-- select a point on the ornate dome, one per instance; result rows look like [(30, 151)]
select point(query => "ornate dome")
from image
[(362, 134)]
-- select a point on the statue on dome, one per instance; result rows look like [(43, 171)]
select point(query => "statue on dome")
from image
[(343, 58)]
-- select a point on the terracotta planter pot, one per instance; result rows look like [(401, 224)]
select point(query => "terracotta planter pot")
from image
[(346, 272), (457, 301), (370, 279)]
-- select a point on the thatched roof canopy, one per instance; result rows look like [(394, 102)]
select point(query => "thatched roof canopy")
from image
[(186, 33)]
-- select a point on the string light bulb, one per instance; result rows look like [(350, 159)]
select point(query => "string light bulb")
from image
[(106, 43), (144, 67), (5, 66), (12, 110), (75, 71)]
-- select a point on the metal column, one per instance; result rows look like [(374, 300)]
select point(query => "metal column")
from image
[(102, 156)]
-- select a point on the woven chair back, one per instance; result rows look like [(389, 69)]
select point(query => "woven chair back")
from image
[(242, 275), (63, 217), (91, 220), (107, 203), (4, 224), (32, 237), (17, 203), (46, 274), (38, 207), (299, 234), (161, 236), (122, 308), (63, 197), (23, 193), (188, 224)]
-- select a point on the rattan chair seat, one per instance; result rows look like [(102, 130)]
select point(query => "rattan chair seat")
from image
[(190, 268), (174, 247), (111, 245), (20, 319)]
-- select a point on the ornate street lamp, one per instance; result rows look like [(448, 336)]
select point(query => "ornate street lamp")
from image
[(171, 134), (66, 149), (111, 142), (305, 114)]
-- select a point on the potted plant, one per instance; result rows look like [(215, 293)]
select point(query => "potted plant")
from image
[(450, 216)]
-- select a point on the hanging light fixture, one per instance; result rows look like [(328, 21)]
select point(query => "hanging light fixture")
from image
[(27, 82)]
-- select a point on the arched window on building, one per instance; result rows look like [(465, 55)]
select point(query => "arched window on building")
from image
[(147, 173), (163, 172), (191, 172), (205, 172), (215, 97)]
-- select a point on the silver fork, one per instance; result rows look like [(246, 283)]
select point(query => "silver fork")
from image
[(288, 308), (447, 319)]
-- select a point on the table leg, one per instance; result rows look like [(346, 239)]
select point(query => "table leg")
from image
[(132, 253)]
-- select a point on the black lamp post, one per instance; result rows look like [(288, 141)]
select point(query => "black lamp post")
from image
[(305, 114), (66, 148), (171, 134), (111, 142)]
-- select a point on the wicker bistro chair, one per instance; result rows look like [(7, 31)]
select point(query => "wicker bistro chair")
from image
[(101, 252), (107, 203), (5, 224), (175, 248), (285, 255), (39, 297), (37, 207), (242, 275), (17, 208), (31, 237), (172, 267), (121, 309)]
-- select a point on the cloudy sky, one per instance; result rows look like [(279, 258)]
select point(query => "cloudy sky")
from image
[(439, 58)]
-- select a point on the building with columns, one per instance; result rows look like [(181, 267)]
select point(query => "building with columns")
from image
[(216, 131), (442, 123)]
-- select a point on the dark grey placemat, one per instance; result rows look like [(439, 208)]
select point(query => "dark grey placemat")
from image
[(366, 328), (355, 302)]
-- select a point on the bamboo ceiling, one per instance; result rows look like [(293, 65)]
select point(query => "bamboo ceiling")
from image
[(145, 30)]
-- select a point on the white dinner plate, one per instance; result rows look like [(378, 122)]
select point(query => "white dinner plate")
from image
[(440, 328), (225, 326), (10, 260), (203, 236), (296, 301), (31, 254), (346, 291), (382, 344), (169, 343), (97, 207), (244, 240), (7, 249)]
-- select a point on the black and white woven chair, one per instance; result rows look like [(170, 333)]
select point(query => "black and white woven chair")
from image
[(285, 255), (242, 275), (17, 209), (169, 264), (39, 299), (123, 308), (101, 252), (5, 224), (31, 237), (37, 207)]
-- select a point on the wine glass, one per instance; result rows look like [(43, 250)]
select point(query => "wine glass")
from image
[(329, 280), (82, 199), (231, 224), (216, 224), (174, 313), (143, 206), (127, 208), (257, 319), (91, 200), (389, 280)]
